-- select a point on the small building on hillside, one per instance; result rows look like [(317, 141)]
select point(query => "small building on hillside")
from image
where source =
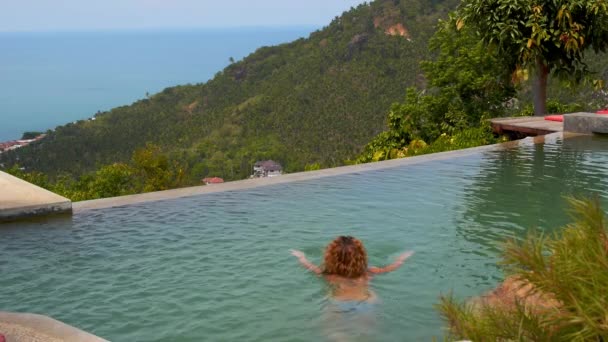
[(212, 180), (267, 168)]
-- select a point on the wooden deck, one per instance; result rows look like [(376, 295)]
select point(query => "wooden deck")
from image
[(526, 126)]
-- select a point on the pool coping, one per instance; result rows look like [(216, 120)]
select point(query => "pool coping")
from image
[(120, 201), (20, 200), (33, 327)]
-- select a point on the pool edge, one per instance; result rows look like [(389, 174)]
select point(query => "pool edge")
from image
[(21, 200), (27, 327), (244, 184)]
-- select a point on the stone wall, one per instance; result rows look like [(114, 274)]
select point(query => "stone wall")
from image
[(586, 123)]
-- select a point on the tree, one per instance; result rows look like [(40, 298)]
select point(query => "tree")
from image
[(465, 83), (112, 180), (465, 69), (545, 35), (155, 170)]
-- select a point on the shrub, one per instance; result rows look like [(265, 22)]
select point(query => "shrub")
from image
[(557, 289)]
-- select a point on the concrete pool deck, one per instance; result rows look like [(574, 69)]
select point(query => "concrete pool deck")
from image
[(302, 176), (26, 327), (20, 199)]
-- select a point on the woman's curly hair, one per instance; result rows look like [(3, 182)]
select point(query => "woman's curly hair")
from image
[(345, 256)]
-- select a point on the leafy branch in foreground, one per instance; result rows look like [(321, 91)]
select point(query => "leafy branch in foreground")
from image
[(556, 289)]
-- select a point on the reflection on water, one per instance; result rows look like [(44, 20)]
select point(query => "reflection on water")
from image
[(217, 267), (350, 321), (535, 179)]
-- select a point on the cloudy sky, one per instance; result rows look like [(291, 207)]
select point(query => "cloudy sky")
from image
[(77, 15)]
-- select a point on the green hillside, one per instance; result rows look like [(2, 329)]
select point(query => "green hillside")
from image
[(314, 100)]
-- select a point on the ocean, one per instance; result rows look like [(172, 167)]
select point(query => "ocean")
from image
[(52, 78)]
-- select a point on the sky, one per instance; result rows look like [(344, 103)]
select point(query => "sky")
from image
[(85, 15)]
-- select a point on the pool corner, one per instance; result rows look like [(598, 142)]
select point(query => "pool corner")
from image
[(22, 200)]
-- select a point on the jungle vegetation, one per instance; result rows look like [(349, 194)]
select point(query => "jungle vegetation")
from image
[(318, 99), (480, 69)]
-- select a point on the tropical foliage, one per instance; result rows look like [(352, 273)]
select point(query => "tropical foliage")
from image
[(544, 36), (148, 170), (560, 289), (466, 84)]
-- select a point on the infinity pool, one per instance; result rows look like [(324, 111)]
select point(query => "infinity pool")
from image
[(217, 267)]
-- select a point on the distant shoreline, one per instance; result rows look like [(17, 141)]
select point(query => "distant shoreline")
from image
[(238, 29), (10, 145), (57, 77)]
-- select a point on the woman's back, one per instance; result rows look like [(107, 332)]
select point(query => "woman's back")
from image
[(349, 289)]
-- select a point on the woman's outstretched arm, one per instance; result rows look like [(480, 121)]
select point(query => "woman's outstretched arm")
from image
[(307, 264), (395, 265)]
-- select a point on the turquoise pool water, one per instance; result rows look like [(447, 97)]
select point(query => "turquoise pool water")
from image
[(217, 267)]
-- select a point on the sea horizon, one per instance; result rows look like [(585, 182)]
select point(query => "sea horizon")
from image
[(51, 78), (152, 29)]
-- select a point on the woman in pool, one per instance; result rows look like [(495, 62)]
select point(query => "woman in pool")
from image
[(350, 308), (345, 269)]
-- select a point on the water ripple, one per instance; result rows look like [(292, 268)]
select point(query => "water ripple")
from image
[(217, 267)]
